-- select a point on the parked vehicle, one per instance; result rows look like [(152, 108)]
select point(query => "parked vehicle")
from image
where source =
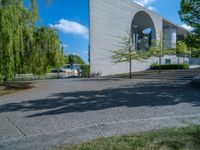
[(68, 71)]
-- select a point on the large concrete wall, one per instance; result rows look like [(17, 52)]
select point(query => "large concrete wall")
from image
[(109, 21)]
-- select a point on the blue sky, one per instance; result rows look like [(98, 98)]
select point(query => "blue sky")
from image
[(70, 18)]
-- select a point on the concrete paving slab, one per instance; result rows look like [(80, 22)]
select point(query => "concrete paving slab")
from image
[(192, 120), (52, 140), (8, 130), (136, 126)]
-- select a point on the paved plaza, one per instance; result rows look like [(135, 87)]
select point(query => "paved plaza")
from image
[(70, 111)]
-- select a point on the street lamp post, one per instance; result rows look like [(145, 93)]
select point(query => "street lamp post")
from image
[(135, 32), (135, 42)]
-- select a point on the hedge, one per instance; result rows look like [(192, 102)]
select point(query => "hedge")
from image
[(169, 67), (85, 71)]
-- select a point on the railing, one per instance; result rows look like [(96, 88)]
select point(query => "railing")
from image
[(194, 61)]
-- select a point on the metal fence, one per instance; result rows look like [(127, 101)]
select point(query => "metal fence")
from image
[(194, 61)]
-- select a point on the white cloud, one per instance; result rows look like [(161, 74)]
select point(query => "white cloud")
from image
[(151, 8), (71, 27), (187, 27), (75, 54), (144, 2), (85, 52), (65, 46), (147, 4)]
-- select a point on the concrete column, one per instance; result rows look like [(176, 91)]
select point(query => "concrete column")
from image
[(169, 37)]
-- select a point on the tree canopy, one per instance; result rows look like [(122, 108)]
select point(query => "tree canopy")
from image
[(158, 50), (181, 50), (127, 53), (190, 15), (25, 47), (74, 59)]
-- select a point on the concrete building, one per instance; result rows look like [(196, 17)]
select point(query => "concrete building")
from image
[(109, 22)]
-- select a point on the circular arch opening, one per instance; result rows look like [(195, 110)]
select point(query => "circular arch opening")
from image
[(142, 31)]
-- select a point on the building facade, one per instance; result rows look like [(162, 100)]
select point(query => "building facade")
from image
[(109, 22)]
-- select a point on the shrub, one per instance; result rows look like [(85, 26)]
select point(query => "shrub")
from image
[(85, 71), (169, 67)]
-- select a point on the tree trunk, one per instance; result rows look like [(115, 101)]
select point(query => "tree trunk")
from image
[(190, 61), (178, 59), (160, 63), (130, 69), (58, 73)]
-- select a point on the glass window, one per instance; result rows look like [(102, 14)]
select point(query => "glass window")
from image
[(167, 61)]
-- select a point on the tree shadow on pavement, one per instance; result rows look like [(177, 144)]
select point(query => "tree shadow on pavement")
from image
[(146, 94)]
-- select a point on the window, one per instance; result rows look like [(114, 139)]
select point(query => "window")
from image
[(168, 61)]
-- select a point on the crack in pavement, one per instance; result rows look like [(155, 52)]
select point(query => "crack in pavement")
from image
[(186, 122), (15, 126), (98, 129)]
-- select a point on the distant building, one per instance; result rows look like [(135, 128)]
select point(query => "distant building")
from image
[(110, 20)]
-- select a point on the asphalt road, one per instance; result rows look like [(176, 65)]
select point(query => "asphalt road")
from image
[(70, 111)]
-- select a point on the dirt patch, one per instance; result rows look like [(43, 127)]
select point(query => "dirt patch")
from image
[(2, 87), (9, 88), (18, 85)]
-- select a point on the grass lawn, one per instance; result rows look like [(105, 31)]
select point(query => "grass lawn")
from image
[(167, 139), (14, 87)]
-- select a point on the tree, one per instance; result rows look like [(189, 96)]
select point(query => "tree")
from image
[(192, 41), (190, 15), (74, 59), (25, 47), (47, 51), (195, 53), (85, 71), (158, 50), (13, 30), (127, 53), (181, 50)]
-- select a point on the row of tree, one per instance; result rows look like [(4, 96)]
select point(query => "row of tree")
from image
[(24, 46), (128, 52), (190, 15)]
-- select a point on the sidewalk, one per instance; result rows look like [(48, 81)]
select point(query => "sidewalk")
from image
[(78, 135)]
